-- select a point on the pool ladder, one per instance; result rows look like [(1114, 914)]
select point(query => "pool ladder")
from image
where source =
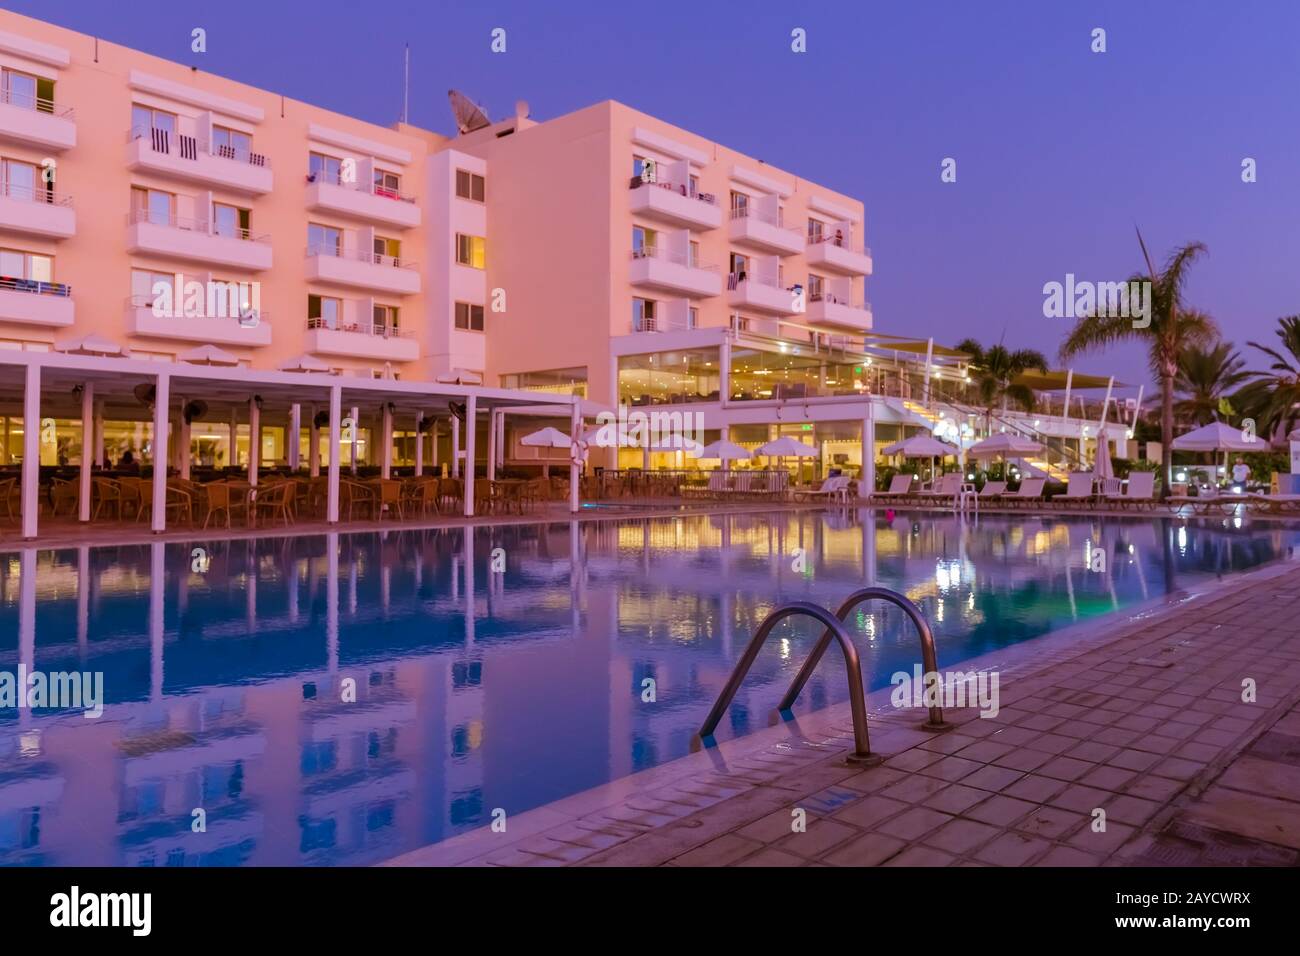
[(834, 624)]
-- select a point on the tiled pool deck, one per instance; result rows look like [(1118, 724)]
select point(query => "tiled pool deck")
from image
[(1141, 717)]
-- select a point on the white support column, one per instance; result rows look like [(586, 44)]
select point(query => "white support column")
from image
[(87, 444), (1138, 407), (386, 436), (183, 446), (254, 440), (294, 438), (929, 359), (868, 483), (471, 420), (31, 473), (501, 438), (492, 446), (234, 437), (724, 436), (99, 433), (1103, 446), (313, 445), (433, 445), (332, 496), (455, 447), (161, 403), (355, 434), (575, 472), (419, 444)]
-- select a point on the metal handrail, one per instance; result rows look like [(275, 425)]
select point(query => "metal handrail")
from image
[(857, 699), (929, 658)]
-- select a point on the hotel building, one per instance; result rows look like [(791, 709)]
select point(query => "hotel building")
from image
[(187, 262)]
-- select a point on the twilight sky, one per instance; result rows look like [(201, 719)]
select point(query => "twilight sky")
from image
[(1060, 151)]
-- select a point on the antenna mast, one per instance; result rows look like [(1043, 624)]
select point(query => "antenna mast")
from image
[(406, 88)]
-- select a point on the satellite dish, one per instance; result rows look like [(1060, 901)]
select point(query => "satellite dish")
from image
[(469, 115)]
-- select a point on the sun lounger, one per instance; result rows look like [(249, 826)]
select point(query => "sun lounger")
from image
[(944, 490), (899, 487), (835, 489), (1140, 492), (992, 490), (1274, 504), (1208, 502), (1029, 493), (1079, 489)]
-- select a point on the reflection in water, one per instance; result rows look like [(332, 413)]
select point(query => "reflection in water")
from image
[(346, 697)]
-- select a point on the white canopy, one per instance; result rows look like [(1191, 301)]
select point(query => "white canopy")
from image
[(208, 355), (786, 447), (725, 449), (920, 446), (548, 437), (89, 345), (1002, 445), (460, 376), (304, 363), (1217, 436), (676, 442)]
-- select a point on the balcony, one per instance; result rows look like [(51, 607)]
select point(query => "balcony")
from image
[(654, 268), (828, 310), (357, 340), (253, 330), (751, 228), (362, 270), (35, 303), (196, 241), (757, 294), (362, 201), (190, 159), (826, 253), (36, 212), (674, 204), (36, 122)]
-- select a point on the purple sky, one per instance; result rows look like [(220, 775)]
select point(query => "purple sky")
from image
[(1060, 152)]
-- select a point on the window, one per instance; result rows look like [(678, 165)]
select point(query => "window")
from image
[(28, 91), (388, 251), (692, 318), (153, 205), (643, 241), (645, 169), (231, 143), (695, 185), (324, 168), (231, 221), (324, 312), (470, 251), (816, 287), (143, 283), (643, 315), (144, 119), (26, 265), (385, 317), (815, 228), (694, 259), (387, 184), (469, 317), (469, 185), (324, 240), (19, 180), (739, 266), (739, 205)]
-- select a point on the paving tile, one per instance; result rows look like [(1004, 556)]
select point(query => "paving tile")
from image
[(722, 851), (1068, 856), (913, 824), (1093, 751), (1103, 843), (951, 769), (873, 779), (961, 836), (1248, 815), (867, 813), (1035, 788), (911, 760), (771, 857), (922, 856), (999, 810), (870, 849), (770, 828), (1024, 759), (1150, 787), (1051, 822), (821, 835), (955, 798), (1065, 768), (1080, 799), (986, 751), (1177, 768), (992, 778), (915, 789), (1136, 760), (1012, 849), (1107, 778), (1129, 809)]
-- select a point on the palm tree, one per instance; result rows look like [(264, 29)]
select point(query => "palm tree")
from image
[(1171, 329), (1272, 397), (994, 371), (1205, 379)]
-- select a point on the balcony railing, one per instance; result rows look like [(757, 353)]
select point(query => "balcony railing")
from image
[(190, 147), (663, 255), (734, 279), (360, 328), (679, 188), (360, 255), (374, 189), (193, 225), (833, 299), (38, 194), (749, 212), (650, 323), (247, 317), (37, 103), (843, 243), (34, 286)]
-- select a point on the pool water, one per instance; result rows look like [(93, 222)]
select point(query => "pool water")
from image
[(504, 669)]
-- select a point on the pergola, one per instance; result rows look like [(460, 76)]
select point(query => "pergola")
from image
[(93, 388)]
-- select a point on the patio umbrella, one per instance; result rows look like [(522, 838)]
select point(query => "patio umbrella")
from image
[(304, 363), (1216, 436), (207, 355), (725, 449), (1002, 445), (786, 447), (89, 345), (547, 438), (675, 442), (921, 446), (460, 376)]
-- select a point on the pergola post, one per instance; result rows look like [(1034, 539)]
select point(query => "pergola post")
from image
[(455, 447), (183, 445), (293, 452), (313, 445), (355, 413), (419, 444), (234, 437), (868, 482), (87, 444), (575, 466), (99, 433), (386, 433), (161, 403), (492, 445), (31, 473), (332, 495), (254, 440), (433, 445), (471, 420)]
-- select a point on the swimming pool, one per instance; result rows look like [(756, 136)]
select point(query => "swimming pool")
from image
[(225, 663)]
